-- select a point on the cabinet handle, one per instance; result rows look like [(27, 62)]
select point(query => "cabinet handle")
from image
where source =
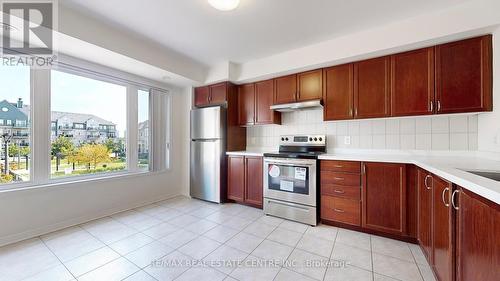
[(339, 179), (425, 181), (338, 166), (431, 107), (364, 169), (453, 199), (339, 210), (439, 106), (350, 112), (339, 191), (442, 197), (355, 112)]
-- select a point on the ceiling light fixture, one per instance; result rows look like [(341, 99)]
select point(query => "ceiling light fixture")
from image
[(224, 5)]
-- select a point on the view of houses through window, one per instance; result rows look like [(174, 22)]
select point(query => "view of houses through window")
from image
[(143, 130), (88, 125), (14, 124)]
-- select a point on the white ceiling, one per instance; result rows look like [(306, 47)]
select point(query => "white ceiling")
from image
[(256, 29)]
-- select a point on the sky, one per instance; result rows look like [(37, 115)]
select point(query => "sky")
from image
[(72, 93)]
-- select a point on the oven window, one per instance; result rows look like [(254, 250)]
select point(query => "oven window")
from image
[(294, 179)]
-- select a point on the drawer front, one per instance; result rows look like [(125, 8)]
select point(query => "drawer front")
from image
[(341, 210), (340, 178), (350, 192), (341, 166)]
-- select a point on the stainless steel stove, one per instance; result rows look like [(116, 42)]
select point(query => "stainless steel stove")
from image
[(291, 184)]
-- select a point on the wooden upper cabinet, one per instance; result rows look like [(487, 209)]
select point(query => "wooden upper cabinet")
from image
[(236, 178), (338, 92), (285, 89), (253, 178), (442, 230), (218, 93), (464, 76), (477, 244), (310, 85), (264, 92), (372, 88), (246, 104), (425, 212), (201, 96), (412, 83), (384, 197)]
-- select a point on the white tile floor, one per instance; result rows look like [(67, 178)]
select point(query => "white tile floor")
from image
[(187, 239)]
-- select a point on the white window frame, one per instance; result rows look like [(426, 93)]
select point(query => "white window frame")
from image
[(41, 124)]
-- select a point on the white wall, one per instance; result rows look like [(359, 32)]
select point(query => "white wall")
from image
[(31, 212), (443, 133), (489, 123)]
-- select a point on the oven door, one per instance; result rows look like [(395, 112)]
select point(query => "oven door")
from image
[(291, 180)]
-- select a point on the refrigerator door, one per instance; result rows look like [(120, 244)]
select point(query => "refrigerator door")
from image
[(207, 123), (205, 170)]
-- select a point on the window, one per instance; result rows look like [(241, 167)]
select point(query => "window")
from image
[(95, 103), (14, 141), (143, 129)]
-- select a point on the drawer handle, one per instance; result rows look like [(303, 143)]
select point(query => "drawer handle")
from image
[(339, 210), (339, 179), (339, 191), (339, 166)]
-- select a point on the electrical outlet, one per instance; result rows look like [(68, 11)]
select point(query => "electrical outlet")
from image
[(347, 140)]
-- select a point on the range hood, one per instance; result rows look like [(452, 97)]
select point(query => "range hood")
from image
[(296, 106)]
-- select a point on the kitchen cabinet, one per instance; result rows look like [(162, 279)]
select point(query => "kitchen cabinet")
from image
[(372, 88), (253, 180), (384, 197), (211, 95), (478, 231), (442, 230), (464, 76), (310, 85), (424, 235), (264, 92), (246, 104), (338, 92), (285, 89), (244, 179), (412, 83)]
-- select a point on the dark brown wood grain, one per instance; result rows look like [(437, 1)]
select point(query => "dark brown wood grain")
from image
[(338, 92), (425, 213), (201, 96), (264, 92), (218, 93), (349, 192), (464, 76), (310, 85), (246, 104), (341, 210), (253, 180), (236, 178), (412, 83), (285, 89), (372, 88), (339, 178), (384, 197)]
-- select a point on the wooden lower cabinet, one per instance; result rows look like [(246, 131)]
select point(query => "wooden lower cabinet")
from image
[(340, 210), (477, 238), (424, 234), (384, 197), (244, 179), (442, 230)]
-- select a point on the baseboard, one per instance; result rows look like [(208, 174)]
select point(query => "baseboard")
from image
[(6, 240)]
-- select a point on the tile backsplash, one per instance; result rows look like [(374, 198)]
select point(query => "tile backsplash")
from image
[(451, 132)]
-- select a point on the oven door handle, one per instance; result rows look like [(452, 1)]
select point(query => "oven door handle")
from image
[(289, 163)]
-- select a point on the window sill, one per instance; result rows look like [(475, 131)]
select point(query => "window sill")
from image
[(76, 180)]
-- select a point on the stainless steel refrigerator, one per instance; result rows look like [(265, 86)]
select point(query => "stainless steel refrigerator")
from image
[(208, 149)]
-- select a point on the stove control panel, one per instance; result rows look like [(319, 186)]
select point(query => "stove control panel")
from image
[(303, 140)]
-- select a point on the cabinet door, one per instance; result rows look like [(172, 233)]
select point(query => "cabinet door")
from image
[(478, 247), (412, 83), (384, 197), (310, 85), (201, 96), (442, 226), (264, 92), (253, 193), (285, 89), (372, 88), (246, 101), (218, 93), (236, 178), (339, 93), (464, 76), (425, 212)]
